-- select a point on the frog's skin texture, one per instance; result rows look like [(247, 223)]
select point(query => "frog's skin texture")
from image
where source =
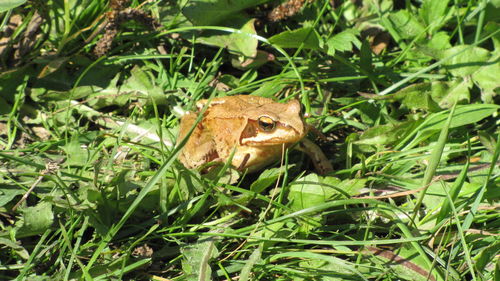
[(257, 129)]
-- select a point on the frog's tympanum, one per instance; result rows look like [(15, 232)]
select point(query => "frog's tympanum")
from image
[(256, 128)]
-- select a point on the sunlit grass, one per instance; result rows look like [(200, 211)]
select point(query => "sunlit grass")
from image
[(409, 118)]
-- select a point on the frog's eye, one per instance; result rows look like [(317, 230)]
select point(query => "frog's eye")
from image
[(266, 124)]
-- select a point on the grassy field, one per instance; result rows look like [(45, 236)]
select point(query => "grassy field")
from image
[(403, 93)]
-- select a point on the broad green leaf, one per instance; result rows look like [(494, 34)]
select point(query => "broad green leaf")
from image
[(488, 255), (464, 115), (406, 24), (351, 186), (272, 230), (366, 57), (5, 108), (456, 187), (305, 37), (265, 180), (42, 94), (8, 192), (10, 4), (53, 66), (96, 96), (242, 44), (141, 84), (378, 135), (269, 89), (414, 266), (420, 101), (488, 140), (416, 97), (435, 196), (20, 250), (439, 41), (387, 134), (220, 173), (229, 80), (212, 12), (171, 15), (307, 192), (466, 59), (433, 11), (487, 78), (196, 259), (36, 220), (492, 27), (325, 262), (446, 93), (76, 155), (343, 41), (260, 58), (312, 190), (254, 258), (434, 96)]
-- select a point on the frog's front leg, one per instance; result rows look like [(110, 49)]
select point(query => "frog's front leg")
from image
[(320, 162)]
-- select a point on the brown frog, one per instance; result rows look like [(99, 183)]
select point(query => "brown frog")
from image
[(256, 128)]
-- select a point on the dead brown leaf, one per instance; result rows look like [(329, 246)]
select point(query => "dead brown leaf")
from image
[(30, 36), (143, 251), (14, 22)]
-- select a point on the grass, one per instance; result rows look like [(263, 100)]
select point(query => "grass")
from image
[(405, 95)]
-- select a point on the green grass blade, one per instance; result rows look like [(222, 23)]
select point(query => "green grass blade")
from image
[(434, 160), (478, 197), (460, 230)]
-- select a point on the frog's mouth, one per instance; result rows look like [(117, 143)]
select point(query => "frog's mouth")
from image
[(254, 136)]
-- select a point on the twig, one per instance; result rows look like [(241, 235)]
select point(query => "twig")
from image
[(50, 168)]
